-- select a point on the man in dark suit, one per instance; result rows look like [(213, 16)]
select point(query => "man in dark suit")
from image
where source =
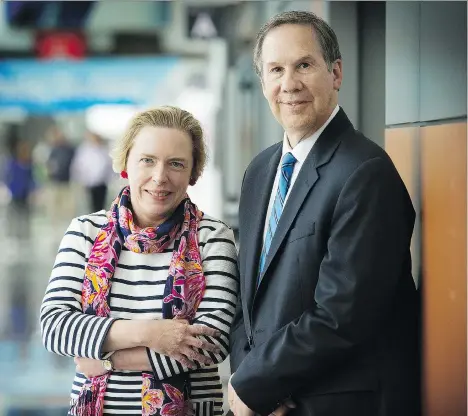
[(327, 318)]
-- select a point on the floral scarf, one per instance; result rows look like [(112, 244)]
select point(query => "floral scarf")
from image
[(183, 292)]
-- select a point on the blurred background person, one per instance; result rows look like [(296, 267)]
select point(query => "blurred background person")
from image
[(60, 198), (19, 179), (92, 168)]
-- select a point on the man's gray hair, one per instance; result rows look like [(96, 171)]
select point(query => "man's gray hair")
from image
[(325, 34)]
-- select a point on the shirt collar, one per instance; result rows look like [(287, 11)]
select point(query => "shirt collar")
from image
[(302, 149)]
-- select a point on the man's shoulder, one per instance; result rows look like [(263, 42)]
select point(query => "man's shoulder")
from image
[(264, 156), (358, 153), (358, 148)]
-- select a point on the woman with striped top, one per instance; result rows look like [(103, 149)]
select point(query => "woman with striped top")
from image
[(143, 295)]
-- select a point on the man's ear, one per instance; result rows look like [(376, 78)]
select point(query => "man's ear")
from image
[(337, 71)]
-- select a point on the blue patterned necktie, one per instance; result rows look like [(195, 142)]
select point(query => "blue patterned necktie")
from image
[(287, 167)]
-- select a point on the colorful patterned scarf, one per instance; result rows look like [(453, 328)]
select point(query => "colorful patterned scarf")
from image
[(183, 292)]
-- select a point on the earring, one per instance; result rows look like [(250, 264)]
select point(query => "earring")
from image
[(124, 174)]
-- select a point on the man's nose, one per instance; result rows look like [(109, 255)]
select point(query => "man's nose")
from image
[(290, 82)]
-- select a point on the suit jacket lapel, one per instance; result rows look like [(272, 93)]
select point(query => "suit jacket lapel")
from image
[(320, 154), (304, 183), (258, 203)]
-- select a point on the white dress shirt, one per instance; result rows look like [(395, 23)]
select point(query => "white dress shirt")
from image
[(300, 152)]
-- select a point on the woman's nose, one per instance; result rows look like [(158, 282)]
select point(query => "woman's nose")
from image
[(159, 175)]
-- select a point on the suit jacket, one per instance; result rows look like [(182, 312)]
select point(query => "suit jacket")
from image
[(334, 321)]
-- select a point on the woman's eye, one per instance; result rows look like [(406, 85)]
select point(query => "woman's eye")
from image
[(146, 160), (304, 65), (177, 165), (276, 69)]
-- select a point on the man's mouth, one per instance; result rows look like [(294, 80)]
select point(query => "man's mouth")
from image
[(294, 103)]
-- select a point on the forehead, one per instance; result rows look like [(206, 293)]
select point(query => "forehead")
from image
[(152, 139), (289, 42)]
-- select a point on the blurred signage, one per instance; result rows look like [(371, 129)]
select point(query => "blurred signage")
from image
[(45, 87), (47, 14), (57, 45)]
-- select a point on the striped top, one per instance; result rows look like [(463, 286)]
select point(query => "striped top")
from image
[(137, 293)]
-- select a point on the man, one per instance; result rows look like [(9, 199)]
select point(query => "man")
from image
[(326, 323)]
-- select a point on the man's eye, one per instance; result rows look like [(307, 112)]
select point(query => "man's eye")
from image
[(304, 65), (177, 165)]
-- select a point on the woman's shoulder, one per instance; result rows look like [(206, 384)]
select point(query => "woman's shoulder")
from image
[(214, 223), (211, 227), (89, 224), (96, 219)]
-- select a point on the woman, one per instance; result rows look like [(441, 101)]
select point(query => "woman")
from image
[(143, 295)]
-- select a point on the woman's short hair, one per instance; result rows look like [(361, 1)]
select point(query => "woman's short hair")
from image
[(165, 116)]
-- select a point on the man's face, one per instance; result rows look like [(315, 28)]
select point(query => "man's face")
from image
[(300, 89)]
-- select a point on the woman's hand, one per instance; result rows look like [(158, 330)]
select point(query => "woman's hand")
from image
[(179, 340), (89, 367), (285, 408)]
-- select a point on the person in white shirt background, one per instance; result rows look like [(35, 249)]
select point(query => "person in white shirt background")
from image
[(92, 168)]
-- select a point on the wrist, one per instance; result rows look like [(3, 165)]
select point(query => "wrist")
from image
[(108, 364), (133, 359), (144, 333), (117, 360)]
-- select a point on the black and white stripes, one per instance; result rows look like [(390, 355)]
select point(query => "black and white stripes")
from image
[(136, 293)]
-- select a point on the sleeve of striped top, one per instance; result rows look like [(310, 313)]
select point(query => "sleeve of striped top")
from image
[(66, 330), (216, 310)]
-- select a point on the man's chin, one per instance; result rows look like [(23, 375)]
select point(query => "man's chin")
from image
[(299, 122), (299, 131)]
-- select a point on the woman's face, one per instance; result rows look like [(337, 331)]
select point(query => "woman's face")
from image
[(159, 166)]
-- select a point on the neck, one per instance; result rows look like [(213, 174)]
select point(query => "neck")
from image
[(142, 222), (296, 136)]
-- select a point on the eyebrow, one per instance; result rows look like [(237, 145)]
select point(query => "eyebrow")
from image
[(301, 59), (172, 159)]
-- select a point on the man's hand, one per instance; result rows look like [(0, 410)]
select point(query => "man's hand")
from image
[(238, 407), (89, 367), (284, 408)]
